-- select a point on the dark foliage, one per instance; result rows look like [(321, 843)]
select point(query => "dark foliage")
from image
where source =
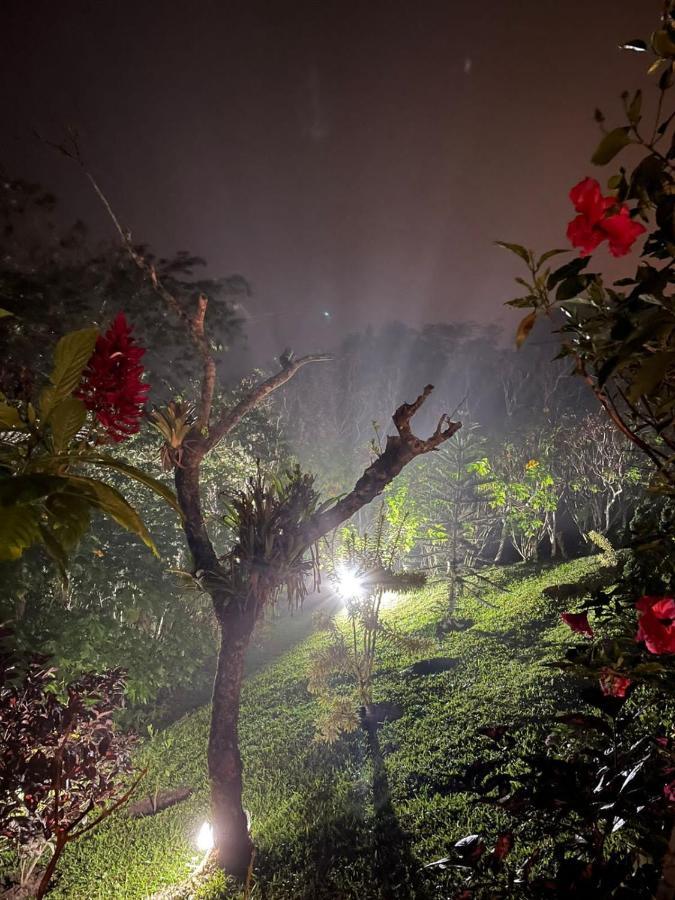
[(63, 761)]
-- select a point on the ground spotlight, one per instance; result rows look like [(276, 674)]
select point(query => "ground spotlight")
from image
[(349, 584), (205, 838)]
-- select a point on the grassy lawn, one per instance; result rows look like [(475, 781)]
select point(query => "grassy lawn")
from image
[(311, 808)]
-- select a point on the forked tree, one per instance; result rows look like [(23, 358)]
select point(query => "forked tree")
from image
[(277, 522)]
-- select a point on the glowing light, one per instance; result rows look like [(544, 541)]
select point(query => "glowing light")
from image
[(205, 838), (348, 583)]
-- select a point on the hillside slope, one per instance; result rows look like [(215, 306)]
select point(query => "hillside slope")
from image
[(311, 808)]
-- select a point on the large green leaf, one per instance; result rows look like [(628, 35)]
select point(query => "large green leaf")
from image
[(66, 419), (108, 500), (72, 354), (611, 144), (56, 550), (573, 267), (111, 462), (69, 518), (651, 374), (19, 530), (23, 489)]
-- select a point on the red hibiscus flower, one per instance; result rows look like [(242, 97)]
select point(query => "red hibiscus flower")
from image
[(111, 385), (656, 626), (600, 218), (669, 792), (578, 622), (612, 684)]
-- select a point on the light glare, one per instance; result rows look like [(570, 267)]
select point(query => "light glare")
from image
[(205, 838), (348, 583)]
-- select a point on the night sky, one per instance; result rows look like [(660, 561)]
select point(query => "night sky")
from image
[(351, 157)]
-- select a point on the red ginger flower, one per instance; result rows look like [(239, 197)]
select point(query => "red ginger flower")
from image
[(578, 622), (597, 222), (612, 684), (111, 384), (656, 626)]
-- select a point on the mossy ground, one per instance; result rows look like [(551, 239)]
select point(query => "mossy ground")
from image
[(313, 821)]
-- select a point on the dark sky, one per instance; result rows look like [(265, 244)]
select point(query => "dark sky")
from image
[(356, 156)]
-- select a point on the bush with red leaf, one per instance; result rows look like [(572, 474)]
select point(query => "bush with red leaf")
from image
[(64, 766), (590, 781)]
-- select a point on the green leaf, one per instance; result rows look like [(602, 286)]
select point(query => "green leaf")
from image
[(515, 248), (635, 108), (650, 375), (522, 302), (10, 420), (19, 530), (23, 489), (609, 367), (5, 312), (66, 419), (71, 356), (525, 327), (662, 44), (56, 550), (655, 66), (111, 462), (571, 287), (573, 267), (550, 253), (611, 144), (69, 518), (108, 500)]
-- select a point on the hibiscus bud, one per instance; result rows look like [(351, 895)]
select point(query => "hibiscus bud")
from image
[(612, 684)]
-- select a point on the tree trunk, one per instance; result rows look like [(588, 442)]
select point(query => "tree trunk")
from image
[(502, 545), (43, 887), (232, 840)]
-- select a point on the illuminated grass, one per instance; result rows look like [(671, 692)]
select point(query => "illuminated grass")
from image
[(311, 807)]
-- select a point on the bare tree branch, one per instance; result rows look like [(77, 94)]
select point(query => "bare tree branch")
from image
[(233, 416), (208, 363), (195, 325), (398, 452)]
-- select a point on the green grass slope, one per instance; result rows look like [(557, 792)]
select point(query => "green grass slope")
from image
[(317, 833)]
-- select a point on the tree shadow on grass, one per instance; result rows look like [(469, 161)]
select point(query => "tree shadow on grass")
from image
[(345, 851), (395, 869)]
